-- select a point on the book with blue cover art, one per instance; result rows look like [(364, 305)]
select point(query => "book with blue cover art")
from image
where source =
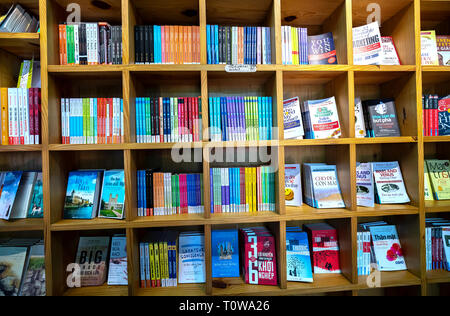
[(113, 195), (298, 259), (8, 191), (225, 253), (325, 187), (36, 207), (82, 193)]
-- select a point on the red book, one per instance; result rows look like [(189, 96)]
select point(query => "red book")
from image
[(161, 122), (110, 120), (324, 246), (436, 115), (181, 118), (191, 119), (199, 133), (31, 115)]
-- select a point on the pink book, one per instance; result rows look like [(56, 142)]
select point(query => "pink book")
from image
[(258, 183), (183, 201), (161, 125), (180, 119), (191, 119), (31, 106), (163, 46), (185, 120), (198, 132)]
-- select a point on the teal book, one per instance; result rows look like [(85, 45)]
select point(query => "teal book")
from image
[(8, 191), (113, 195), (36, 207), (82, 194)]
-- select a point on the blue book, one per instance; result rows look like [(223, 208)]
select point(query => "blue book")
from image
[(82, 194), (223, 121), (216, 42), (245, 45), (321, 49), (138, 122), (225, 253), (113, 195), (155, 43), (260, 118), (211, 189), (270, 105), (211, 118), (298, 260), (208, 43), (139, 192), (255, 42), (10, 186)]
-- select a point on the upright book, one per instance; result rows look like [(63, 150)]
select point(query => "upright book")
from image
[(225, 253), (191, 260), (439, 171), (92, 256), (387, 248), (298, 260), (389, 185), (429, 48), (118, 269), (293, 185), (321, 49), (443, 49)]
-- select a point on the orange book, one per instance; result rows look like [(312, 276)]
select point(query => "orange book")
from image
[(4, 109), (61, 43), (186, 44), (161, 193), (181, 45), (189, 45), (171, 41), (167, 44), (175, 44), (241, 45), (197, 47), (103, 120)]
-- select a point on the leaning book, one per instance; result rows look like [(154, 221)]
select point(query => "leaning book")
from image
[(12, 264), (367, 49), (8, 191), (34, 279), (117, 272), (191, 260), (387, 248), (36, 207), (364, 185), (389, 185), (113, 195), (293, 125), (298, 259)]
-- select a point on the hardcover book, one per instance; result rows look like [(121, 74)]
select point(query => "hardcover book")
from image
[(8, 190), (439, 171), (82, 195), (12, 265), (443, 49), (225, 253), (367, 49), (387, 248), (389, 185), (321, 49), (92, 255), (293, 125), (36, 206), (382, 118), (364, 185), (298, 259), (191, 261), (429, 48), (113, 195), (118, 269), (324, 248), (34, 278), (293, 185)]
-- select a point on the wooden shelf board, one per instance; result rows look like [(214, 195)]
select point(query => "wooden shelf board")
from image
[(84, 68), (179, 290), (163, 67), (407, 68), (392, 279), (24, 45), (435, 68), (437, 206), (237, 286), (436, 139), (386, 210), (386, 140), (103, 290), (438, 276), (240, 144), (318, 68), (168, 221), (88, 224), (87, 147), (137, 146), (232, 218), (317, 142), (306, 212), (322, 283), (14, 148), (26, 224)]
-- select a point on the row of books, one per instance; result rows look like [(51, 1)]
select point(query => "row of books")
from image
[(29, 74), (376, 118), (436, 115), (102, 259), (90, 44), (166, 120), (437, 241), (435, 49), (23, 267), (381, 183), (167, 44), (242, 190), (21, 195), (92, 121), (92, 193), (379, 248), (18, 20), (311, 119), (370, 48), (295, 45), (240, 118), (239, 45), (169, 194), (20, 115), (437, 179)]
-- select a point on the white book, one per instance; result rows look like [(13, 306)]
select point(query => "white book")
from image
[(387, 248), (289, 40), (360, 126), (324, 118), (364, 185), (390, 188), (121, 121), (108, 119), (91, 119), (293, 124), (20, 115), (429, 48), (191, 259), (82, 138), (367, 49), (293, 185), (258, 45), (76, 43)]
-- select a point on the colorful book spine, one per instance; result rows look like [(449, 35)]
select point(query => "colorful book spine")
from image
[(294, 45)]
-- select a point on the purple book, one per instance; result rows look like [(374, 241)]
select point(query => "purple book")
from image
[(232, 119), (227, 189), (235, 121), (211, 189), (242, 117), (228, 117), (222, 189)]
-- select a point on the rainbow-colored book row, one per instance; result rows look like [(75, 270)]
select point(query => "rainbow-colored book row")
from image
[(169, 194), (92, 121), (168, 120), (242, 190), (240, 118)]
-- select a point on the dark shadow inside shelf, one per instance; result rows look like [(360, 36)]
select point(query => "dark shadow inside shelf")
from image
[(239, 12)]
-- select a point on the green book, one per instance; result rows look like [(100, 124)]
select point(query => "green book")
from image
[(91, 120), (70, 44), (247, 120), (83, 102), (439, 171)]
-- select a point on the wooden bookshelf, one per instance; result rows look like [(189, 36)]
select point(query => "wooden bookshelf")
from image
[(402, 19)]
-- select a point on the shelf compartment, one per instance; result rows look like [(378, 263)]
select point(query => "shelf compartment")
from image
[(392, 279), (397, 20), (63, 246), (386, 210), (438, 276), (306, 212), (23, 45), (232, 218), (18, 160), (168, 221), (400, 86), (26, 224), (319, 85), (322, 283), (435, 15), (239, 12), (319, 17), (436, 82)]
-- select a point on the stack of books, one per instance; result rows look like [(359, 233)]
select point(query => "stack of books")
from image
[(239, 45), (166, 120), (18, 20), (167, 44), (240, 118), (90, 44), (242, 190), (92, 121), (437, 240), (436, 115), (21, 195), (169, 194), (295, 45)]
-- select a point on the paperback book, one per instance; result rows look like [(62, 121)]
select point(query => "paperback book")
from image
[(443, 49), (225, 253), (365, 185), (381, 118), (92, 256), (13, 261), (293, 185), (118, 268), (389, 185), (298, 260), (34, 277), (36, 205), (429, 48), (321, 119), (390, 55), (387, 249), (321, 49), (293, 125), (191, 260), (112, 202), (367, 48), (439, 171), (9, 187), (360, 126)]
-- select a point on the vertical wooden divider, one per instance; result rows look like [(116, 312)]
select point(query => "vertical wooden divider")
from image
[(208, 259), (277, 32), (349, 22), (203, 22), (352, 275), (133, 261), (281, 250)]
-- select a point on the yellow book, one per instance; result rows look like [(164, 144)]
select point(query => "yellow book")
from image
[(254, 189), (295, 60), (157, 266), (4, 107), (166, 263), (152, 264), (162, 264), (247, 184), (428, 190)]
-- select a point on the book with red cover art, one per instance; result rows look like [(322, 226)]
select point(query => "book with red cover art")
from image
[(258, 256), (324, 248), (443, 49)]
